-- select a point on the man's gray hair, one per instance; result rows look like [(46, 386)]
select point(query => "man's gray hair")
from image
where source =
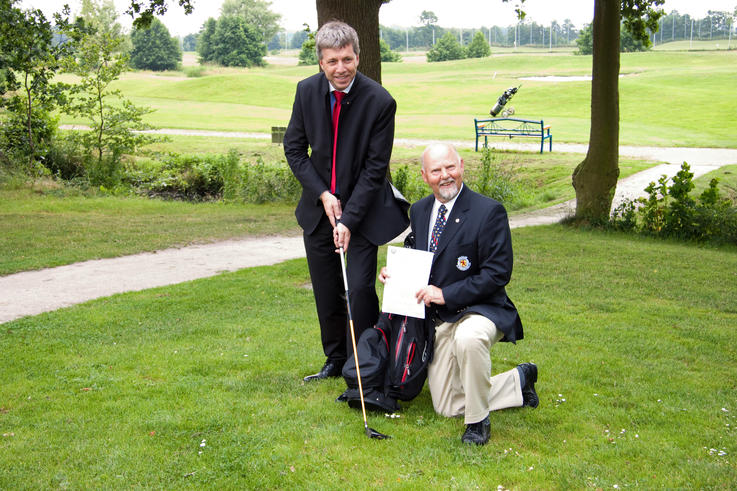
[(335, 35)]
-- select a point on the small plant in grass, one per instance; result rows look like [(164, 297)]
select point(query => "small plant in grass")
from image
[(492, 180), (409, 183), (670, 211), (212, 177), (194, 71), (264, 183)]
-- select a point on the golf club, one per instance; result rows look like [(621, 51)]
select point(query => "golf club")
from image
[(370, 432)]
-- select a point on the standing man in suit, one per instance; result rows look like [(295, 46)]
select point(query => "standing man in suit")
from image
[(466, 300), (338, 145)]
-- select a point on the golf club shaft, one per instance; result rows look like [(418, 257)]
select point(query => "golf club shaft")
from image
[(353, 338)]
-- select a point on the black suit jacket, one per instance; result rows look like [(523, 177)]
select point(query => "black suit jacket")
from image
[(473, 261), (365, 140)]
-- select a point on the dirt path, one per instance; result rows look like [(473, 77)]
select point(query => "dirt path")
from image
[(35, 292)]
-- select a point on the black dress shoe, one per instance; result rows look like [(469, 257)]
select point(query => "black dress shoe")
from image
[(342, 397), (477, 433), (329, 369), (529, 395)]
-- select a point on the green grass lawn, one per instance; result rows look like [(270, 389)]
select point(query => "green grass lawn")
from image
[(199, 385), (45, 229), (53, 226), (440, 100)]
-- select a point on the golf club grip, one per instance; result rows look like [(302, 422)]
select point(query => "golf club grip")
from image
[(345, 277)]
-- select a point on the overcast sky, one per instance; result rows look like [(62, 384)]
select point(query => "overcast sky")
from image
[(405, 13)]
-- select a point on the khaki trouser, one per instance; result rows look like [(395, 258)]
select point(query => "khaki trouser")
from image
[(460, 374)]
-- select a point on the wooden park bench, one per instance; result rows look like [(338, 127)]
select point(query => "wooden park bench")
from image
[(512, 127)]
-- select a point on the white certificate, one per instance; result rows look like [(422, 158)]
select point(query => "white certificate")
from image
[(409, 271)]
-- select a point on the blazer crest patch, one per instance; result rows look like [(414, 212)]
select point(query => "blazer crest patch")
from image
[(463, 263)]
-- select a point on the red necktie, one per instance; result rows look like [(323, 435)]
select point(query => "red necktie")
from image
[(336, 114)]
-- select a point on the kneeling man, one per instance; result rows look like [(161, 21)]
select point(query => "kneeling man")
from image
[(466, 300)]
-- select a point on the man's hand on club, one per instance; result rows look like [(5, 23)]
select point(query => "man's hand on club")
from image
[(332, 207), (341, 237)]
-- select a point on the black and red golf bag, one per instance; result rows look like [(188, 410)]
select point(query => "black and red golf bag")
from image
[(393, 358)]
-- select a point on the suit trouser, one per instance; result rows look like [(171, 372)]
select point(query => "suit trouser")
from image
[(460, 373), (327, 285)]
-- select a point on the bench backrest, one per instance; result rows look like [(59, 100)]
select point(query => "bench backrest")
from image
[(509, 125)]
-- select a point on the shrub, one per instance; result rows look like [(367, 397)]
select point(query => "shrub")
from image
[(65, 159), (670, 211), (387, 55), (409, 183), (194, 71), (308, 55), (492, 180), (209, 177), (447, 48), (479, 47)]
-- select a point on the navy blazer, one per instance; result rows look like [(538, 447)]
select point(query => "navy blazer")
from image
[(473, 261), (365, 140)]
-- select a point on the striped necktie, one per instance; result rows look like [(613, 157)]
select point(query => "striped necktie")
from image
[(438, 228)]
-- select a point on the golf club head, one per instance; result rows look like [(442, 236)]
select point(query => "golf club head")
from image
[(372, 433)]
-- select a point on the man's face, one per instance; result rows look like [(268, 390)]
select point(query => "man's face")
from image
[(339, 65), (444, 175)]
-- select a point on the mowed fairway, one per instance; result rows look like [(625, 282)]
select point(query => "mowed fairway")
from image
[(199, 385), (667, 98)]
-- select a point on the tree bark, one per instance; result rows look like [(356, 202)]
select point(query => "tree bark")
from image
[(363, 16), (595, 179)]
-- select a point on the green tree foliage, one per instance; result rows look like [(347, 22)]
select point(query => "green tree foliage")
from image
[(236, 43), (447, 48), (154, 48), (189, 43), (204, 41), (102, 17), (387, 54), (627, 42), (585, 40), (112, 118), (143, 11), (256, 13), (478, 48), (29, 60), (296, 39), (428, 18), (308, 53)]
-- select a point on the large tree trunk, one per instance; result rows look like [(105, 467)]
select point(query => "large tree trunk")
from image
[(363, 16), (595, 179)]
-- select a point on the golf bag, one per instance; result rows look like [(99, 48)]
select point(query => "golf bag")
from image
[(393, 357)]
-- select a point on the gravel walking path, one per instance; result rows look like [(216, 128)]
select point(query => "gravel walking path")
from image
[(35, 292)]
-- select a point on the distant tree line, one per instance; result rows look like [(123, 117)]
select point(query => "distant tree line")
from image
[(677, 27), (238, 37)]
